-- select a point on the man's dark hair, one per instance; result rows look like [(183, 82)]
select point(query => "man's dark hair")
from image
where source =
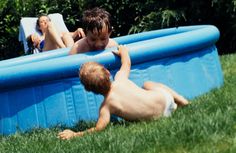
[(95, 19)]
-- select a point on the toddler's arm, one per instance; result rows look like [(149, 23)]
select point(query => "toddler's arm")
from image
[(125, 62), (103, 120)]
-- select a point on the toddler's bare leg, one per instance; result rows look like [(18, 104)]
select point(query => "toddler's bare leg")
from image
[(180, 100)]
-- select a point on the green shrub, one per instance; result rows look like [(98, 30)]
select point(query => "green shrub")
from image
[(128, 16)]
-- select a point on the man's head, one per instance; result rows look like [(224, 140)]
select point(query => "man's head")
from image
[(97, 28), (95, 78)]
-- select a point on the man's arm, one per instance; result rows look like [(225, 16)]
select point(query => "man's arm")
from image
[(125, 62), (103, 120), (74, 49), (112, 43), (78, 34)]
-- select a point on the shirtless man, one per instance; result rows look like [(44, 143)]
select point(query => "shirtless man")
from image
[(123, 97), (97, 30)]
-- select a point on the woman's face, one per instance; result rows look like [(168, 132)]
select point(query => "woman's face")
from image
[(43, 23)]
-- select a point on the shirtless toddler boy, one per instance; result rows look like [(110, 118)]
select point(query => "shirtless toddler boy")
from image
[(124, 98)]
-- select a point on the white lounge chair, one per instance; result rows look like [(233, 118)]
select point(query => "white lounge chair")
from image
[(28, 26)]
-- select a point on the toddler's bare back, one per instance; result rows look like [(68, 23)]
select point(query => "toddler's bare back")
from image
[(131, 102)]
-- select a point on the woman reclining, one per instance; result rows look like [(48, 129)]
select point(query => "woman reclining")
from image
[(51, 38)]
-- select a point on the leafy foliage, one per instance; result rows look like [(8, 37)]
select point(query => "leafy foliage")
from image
[(128, 16)]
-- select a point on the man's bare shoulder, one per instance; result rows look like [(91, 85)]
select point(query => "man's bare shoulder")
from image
[(82, 45), (112, 43)]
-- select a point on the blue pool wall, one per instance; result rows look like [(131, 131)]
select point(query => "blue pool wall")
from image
[(47, 92)]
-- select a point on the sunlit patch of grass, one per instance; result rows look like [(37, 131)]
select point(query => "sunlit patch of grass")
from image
[(207, 125)]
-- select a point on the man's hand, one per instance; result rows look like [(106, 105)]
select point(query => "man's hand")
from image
[(116, 52), (68, 134), (120, 48), (80, 33)]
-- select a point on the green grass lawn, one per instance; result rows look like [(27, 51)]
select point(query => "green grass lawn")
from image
[(207, 125)]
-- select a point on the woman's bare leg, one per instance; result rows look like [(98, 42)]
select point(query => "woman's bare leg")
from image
[(180, 100), (52, 38), (67, 39)]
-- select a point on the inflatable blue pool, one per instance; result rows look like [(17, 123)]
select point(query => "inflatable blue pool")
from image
[(43, 90)]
